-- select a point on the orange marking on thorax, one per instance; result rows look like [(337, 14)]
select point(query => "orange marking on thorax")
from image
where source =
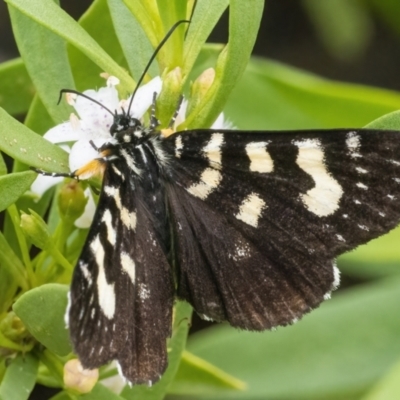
[(92, 168)]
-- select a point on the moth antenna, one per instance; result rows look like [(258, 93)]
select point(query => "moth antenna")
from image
[(62, 91), (158, 48), (178, 107)]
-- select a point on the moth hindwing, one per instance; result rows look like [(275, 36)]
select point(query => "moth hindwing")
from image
[(251, 221)]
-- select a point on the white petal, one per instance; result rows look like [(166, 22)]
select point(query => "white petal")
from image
[(222, 123), (63, 133), (181, 113), (94, 116), (144, 97), (85, 220), (82, 152), (43, 183)]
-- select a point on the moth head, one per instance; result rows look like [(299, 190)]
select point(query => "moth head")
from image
[(124, 123)]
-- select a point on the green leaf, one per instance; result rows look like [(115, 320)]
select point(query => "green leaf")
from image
[(46, 59), (244, 22), (388, 121), (3, 166), (52, 17), (10, 263), (85, 71), (135, 44), (42, 311), (177, 344), (337, 351), (196, 376), (26, 146), (388, 388), (15, 87), (13, 186), (100, 392), (205, 18), (63, 396), (19, 379), (275, 96)]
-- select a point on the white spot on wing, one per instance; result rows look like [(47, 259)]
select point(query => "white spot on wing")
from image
[(363, 227), (209, 181), (324, 198), (353, 143), (213, 148), (361, 170), (144, 292), (111, 234), (128, 218), (66, 315), (250, 210), (106, 293), (178, 147), (341, 238), (128, 266), (86, 273), (361, 186), (260, 159)]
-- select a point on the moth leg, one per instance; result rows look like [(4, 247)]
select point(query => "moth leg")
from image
[(55, 174)]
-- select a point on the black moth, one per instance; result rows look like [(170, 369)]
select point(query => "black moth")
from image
[(243, 225)]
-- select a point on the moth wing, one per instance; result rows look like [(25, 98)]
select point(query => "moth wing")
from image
[(259, 216), (122, 293)]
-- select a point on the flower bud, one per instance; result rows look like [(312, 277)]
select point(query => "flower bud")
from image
[(35, 228), (169, 96), (200, 88), (71, 201), (79, 379)]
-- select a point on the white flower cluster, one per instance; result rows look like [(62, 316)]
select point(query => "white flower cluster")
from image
[(94, 124)]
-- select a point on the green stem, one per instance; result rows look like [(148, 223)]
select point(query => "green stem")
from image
[(16, 220)]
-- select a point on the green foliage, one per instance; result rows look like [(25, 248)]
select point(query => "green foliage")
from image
[(340, 351)]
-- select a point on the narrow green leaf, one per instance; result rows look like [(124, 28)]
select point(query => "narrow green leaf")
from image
[(19, 379), (196, 376), (135, 44), (3, 166), (100, 392), (10, 262), (49, 15), (205, 18), (42, 311), (63, 396), (388, 388), (177, 344), (15, 87), (46, 59), (170, 13), (13, 186), (86, 72), (26, 146), (244, 21), (38, 119), (337, 351), (146, 13), (8, 288)]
